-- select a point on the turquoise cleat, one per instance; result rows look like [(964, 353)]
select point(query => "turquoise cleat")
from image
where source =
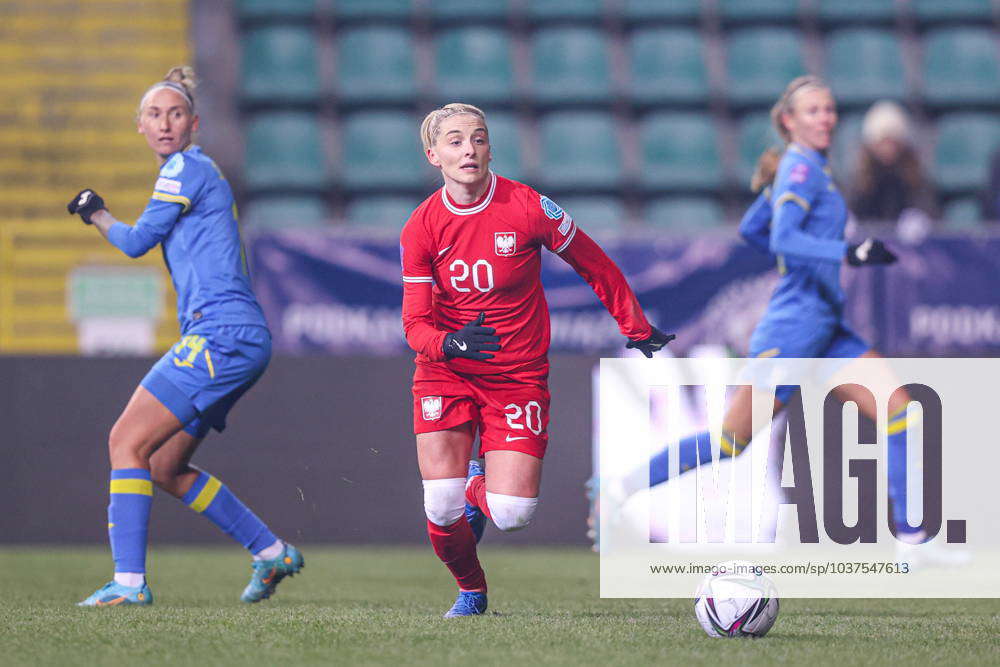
[(475, 516), (112, 594), (468, 603), (267, 574)]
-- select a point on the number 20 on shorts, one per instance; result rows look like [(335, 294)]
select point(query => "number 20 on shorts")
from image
[(531, 415)]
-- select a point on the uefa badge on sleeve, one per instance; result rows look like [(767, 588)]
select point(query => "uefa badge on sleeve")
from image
[(431, 408), (505, 243)]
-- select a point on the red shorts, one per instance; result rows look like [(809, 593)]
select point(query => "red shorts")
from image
[(511, 410)]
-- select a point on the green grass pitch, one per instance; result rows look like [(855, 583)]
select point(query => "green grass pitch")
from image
[(382, 605)]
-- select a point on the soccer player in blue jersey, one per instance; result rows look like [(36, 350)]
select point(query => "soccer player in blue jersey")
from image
[(800, 219), (224, 348)]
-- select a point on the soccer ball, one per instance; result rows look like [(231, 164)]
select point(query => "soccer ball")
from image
[(736, 600)]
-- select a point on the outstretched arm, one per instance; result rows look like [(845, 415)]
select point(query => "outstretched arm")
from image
[(152, 227)]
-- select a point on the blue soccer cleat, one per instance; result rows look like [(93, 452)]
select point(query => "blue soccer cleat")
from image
[(113, 594), (267, 574), (468, 603), (475, 516)]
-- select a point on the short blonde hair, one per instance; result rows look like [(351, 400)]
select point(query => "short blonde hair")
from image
[(431, 127), (180, 79), (787, 99)]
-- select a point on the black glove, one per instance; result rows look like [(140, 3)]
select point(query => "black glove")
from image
[(869, 252), (86, 203), (471, 340), (654, 343)]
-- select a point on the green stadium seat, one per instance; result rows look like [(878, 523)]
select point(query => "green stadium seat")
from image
[(964, 213), (349, 10), (474, 65), (761, 62), (380, 212), (505, 144), (570, 65), (864, 65), (280, 65), (668, 66), (678, 152), (286, 212), (932, 11), (595, 214), (960, 67), (284, 149), (382, 149), (579, 149), (564, 9), (965, 144), (857, 11), (759, 10), (687, 213), (640, 11), (375, 64), (465, 10), (756, 134), (272, 10)]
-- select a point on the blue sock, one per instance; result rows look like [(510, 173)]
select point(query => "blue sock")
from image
[(694, 450), (896, 468), (210, 497), (128, 518)]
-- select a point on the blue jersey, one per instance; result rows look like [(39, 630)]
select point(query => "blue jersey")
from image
[(807, 234), (193, 215)]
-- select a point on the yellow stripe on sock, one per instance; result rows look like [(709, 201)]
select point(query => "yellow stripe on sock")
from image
[(142, 487), (897, 425), (727, 446), (206, 496)]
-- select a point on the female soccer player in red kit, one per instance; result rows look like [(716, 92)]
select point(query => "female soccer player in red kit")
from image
[(475, 313)]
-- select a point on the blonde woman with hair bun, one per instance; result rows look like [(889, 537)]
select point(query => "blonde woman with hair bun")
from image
[(225, 346)]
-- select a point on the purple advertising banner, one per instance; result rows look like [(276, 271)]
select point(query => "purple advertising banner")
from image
[(327, 292)]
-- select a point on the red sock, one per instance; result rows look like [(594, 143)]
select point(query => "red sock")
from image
[(455, 545), (475, 494)]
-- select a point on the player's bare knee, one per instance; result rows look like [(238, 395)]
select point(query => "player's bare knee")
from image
[(511, 512), (444, 500)]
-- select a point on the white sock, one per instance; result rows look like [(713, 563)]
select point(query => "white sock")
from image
[(130, 579), (271, 552)]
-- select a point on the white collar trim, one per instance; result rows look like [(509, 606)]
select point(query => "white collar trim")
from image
[(475, 209)]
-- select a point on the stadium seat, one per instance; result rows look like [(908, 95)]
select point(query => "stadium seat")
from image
[(579, 149), (965, 144), (679, 151), (469, 10), (375, 64), (960, 67), (349, 10), (864, 65), (595, 214), (564, 9), (688, 213), (761, 62), (640, 11), (570, 65), (737, 11), (668, 66), (756, 134), (931, 11), (272, 10), (385, 212), (857, 11), (286, 212), (280, 65), (284, 149), (382, 149), (505, 144), (474, 64), (964, 213)]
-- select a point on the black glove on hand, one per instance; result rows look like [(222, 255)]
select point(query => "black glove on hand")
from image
[(869, 252), (654, 343), (86, 203), (470, 341)]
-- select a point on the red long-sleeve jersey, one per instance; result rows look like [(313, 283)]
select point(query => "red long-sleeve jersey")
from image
[(459, 261)]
